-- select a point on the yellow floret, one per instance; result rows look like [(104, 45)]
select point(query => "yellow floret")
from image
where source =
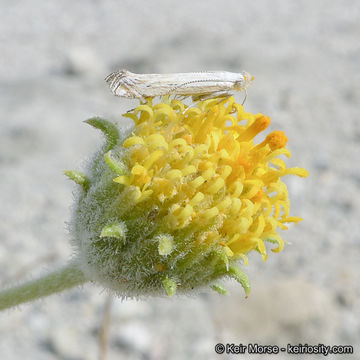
[(202, 163)]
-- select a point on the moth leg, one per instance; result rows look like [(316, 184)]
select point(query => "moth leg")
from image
[(224, 99), (182, 97), (202, 97), (244, 97), (176, 96), (143, 101), (216, 94)]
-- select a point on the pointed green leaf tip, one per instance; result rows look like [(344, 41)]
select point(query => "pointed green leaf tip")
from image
[(166, 244), (220, 289), (108, 128), (170, 286), (114, 230), (114, 164), (222, 255), (79, 178), (240, 277)]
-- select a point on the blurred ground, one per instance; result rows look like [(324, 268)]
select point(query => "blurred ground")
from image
[(305, 56)]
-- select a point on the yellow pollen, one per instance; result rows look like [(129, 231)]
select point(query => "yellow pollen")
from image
[(174, 174), (208, 174), (188, 170), (210, 213), (276, 140), (156, 155), (216, 185), (156, 140), (197, 198), (134, 140), (225, 171), (224, 204), (197, 182), (257, 197)]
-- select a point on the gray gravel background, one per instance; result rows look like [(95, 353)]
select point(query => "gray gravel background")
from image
[(305, 56)]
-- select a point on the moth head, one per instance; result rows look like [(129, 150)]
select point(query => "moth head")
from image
[(245, 80)]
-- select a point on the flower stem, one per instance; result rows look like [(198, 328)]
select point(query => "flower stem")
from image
[(57, 281)]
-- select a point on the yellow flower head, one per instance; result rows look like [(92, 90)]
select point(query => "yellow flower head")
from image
[(192, 193)]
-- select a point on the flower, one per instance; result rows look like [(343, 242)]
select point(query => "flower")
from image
[(175, 204)]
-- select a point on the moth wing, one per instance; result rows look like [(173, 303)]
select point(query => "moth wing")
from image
[(122, 83)]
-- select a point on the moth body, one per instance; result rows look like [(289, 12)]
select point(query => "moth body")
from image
[(199, 85)]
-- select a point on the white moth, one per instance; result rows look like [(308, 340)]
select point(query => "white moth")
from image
[(199, 85)]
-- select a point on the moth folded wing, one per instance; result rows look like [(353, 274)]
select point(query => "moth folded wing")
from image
[(122, 85), (115, 77)]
